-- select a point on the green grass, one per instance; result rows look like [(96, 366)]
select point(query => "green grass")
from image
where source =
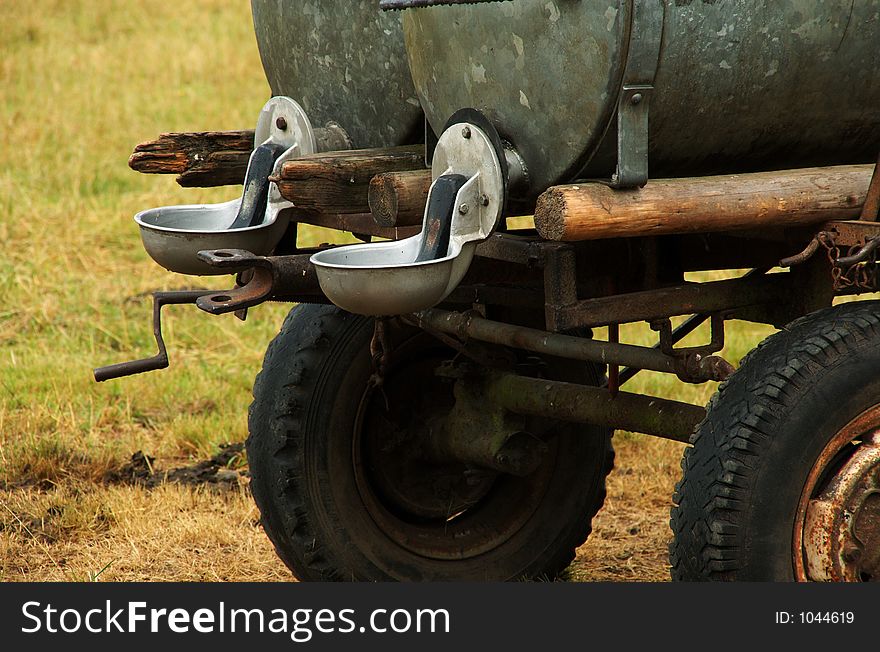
[(81, 82)]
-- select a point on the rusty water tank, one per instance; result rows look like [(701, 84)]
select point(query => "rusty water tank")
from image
[(343, 61), (737, 85)]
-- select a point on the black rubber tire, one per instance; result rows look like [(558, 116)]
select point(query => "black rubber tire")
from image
[(735, 507), (304, 408)]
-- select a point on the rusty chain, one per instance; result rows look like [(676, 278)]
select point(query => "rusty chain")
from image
[(860, 276), (380, 356)]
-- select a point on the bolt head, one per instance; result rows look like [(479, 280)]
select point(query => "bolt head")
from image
[(852, 554), (466, 132), (636, 99), (281, 123), (484, 200), (464, 209)]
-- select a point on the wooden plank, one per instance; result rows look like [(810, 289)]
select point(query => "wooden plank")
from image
[(339, 182), (200, 159), (593, 211)]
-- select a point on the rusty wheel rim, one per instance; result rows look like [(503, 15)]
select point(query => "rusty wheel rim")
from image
[(489, 507), (837, 528)]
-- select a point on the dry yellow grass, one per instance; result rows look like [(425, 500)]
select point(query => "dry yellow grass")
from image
[(83, 532), (82, 81)]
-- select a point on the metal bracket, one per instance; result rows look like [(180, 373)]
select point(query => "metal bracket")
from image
[(696, 364), (871, 208), (247, 294), (668, 339), (265, 278), (643, 59)]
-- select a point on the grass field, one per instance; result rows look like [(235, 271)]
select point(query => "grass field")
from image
[(81, 82)]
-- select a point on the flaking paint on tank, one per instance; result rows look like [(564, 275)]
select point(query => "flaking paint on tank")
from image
[(764, 85), (519, 87), (741, 84), (344, 61)]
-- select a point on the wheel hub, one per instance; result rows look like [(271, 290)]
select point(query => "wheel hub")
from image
[(841, 536), (435, 507), (401, 467)]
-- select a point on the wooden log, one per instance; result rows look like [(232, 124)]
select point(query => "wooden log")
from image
[(207, 159), (399, 198), (201, 159), (593, 211), (339, 183)]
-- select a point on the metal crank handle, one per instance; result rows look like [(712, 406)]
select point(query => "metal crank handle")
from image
[(132, 368), (160, 360)]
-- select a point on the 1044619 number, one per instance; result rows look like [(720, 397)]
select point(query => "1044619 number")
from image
[(826, 617)]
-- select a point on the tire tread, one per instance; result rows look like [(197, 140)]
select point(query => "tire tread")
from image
[(726, 450)]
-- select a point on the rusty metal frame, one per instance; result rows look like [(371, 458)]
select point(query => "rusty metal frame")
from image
[(520, 271), (678, 300), (648, 415), (469, 326)]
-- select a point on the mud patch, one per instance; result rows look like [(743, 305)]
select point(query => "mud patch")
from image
[(219, 471)]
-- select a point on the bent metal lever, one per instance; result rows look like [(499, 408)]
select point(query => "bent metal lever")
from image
[(438, 217), (255, 198), (160, 360)]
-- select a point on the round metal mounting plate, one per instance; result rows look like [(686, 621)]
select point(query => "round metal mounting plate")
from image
[(466, 149), (284, 121)]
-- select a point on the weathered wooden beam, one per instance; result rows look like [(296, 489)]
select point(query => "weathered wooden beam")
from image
[(339, 182), (200, 159), (399, 198), (207, 159), (593, 211)]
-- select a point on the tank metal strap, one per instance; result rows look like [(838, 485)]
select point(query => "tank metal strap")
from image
[(396, 5), (643, 58)]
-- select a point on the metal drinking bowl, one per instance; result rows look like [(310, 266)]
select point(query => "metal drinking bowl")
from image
[(174, 235), (382, 279)]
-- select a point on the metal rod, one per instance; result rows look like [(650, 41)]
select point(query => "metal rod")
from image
[(681, 332), (802, 257), (584, 404), (564, 346), (864, 254), (614, 369)]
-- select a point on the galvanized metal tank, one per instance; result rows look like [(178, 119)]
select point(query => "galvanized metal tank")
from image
[(738, 84), (343, 61)]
